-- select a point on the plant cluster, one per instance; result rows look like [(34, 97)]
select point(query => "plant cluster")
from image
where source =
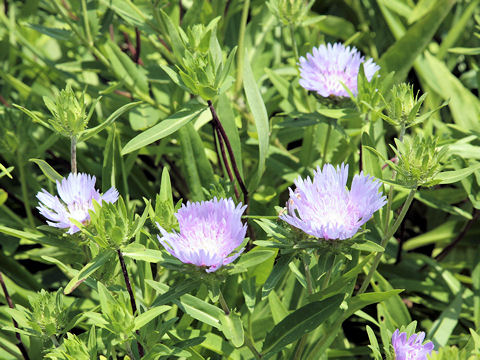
[(266, 190)]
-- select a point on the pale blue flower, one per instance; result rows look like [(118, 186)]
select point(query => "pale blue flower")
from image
[(329, 66), (326, 209), (76, 193), (411, 348), (209, 232)]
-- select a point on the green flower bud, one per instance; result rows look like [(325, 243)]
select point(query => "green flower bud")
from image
[(49, 315), (403, 107), (419, 160), (289, 11), (113, 225), (72, 348), (69, 115)]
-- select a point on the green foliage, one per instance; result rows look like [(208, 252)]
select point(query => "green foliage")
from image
[(419, 161), (150, 73), (113, 225), (48, 315), (69, 113)]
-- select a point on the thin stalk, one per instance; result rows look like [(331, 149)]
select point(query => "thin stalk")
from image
[(309, 135), (327, 338), (291, 27), (130, 293), (300, 348), (308, 275), (20, 345), (225, 161), (73, 154), (241, 45), (23, 185), (329, 274), (385, 239), (325, 146), (272, 217), (252, 348), (224, 305), (221, 131), (54, 341), (85, 22)]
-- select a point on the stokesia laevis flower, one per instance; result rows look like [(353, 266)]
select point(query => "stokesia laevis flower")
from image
[(209, 232), (326, 209), (76, 193), (329, 66), (411, 348)]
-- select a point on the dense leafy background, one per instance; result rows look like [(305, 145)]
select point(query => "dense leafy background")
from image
[(127, 52)]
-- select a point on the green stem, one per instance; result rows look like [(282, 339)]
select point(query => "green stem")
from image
[(85, 22), (385, 239), (23, 185), (252, 348), (241, 45), (300, 348), (309, 137), (329, 274), (325, 146), (308, 275), (326, 339), (291, 27), (73, 154), (224, 304), (272, 217)]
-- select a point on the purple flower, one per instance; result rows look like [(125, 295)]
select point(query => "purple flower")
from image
[(328, 66), (324, 207), (76, 194), (209, 232), (411, 349)]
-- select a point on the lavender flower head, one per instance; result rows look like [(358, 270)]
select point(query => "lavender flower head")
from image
[(326, 209), (411, 348), (328, 66), (209, 232), (76, 193)]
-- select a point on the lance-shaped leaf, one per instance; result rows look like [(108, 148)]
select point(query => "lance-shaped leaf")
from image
[(166, 127), (102, 258), (299, 323)]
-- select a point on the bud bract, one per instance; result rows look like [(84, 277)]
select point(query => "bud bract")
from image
[(69, 113), (419, 160)]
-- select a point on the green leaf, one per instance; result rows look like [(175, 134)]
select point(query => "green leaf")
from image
[(443, 327), (232, 328), (101, 259), (47, 170), (144, 318), (254, 257), (402, 54), (126, 70), (139, 252), (201, 310), (360, 301), (58, 34), (166, 127), (259, 112), (190, 165), (450, 177), (279, 270), (277, 308), (87, 134), (299, 323), (367, 245)]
